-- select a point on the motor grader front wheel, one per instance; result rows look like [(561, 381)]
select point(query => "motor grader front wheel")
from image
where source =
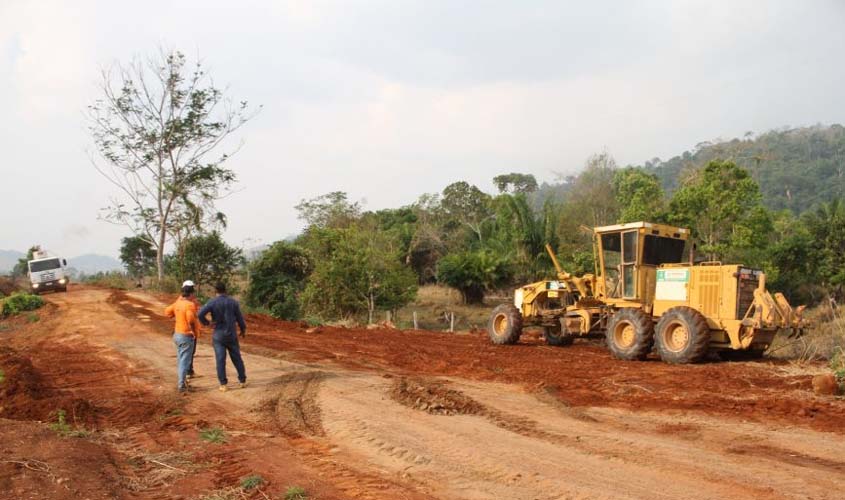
[(682, 336), (505, 325), (630, 334)]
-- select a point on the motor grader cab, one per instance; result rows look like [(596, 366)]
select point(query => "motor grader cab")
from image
[(642, 296)]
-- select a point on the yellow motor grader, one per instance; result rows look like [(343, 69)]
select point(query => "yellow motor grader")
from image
[(642, 296)]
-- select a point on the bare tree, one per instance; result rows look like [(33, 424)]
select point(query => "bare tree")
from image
[(160, 128)]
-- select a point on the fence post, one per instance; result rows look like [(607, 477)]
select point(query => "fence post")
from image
[(452, 323), (416, 327)]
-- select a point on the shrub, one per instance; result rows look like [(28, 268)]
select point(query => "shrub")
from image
[(252, 481), (277, 278), (296, 493), (20, 302), (473, 273), (216, 436)]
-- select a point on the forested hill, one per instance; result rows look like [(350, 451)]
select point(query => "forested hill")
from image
[(795, 168)]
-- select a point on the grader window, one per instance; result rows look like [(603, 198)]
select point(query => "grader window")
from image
[(629, 262), (661, 250), (611, 245)]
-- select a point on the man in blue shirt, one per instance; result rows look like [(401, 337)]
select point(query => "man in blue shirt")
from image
[(225, 313)]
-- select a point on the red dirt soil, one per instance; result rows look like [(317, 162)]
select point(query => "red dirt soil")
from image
[(580, 375)]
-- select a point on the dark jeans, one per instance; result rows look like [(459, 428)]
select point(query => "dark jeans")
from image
[(222, 345)]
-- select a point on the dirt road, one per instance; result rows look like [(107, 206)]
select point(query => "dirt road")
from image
[(384, 414)]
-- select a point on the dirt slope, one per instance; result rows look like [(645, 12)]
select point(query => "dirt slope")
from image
[(385, 414)]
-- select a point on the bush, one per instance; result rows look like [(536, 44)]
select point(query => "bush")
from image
[(473, 273), (251, 482), (20, 302), (110, 279), (295, 493), (277, 278)]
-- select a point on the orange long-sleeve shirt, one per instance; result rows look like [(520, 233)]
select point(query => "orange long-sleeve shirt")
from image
[(185, 312)]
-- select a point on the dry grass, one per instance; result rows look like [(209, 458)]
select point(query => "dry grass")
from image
[(434, 305), (821, 342)]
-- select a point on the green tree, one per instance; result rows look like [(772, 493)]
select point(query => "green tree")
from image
[(207, 259), (138, 255), (22, 266), (639, 194), (591, 197), (356, 270), (277, 278), (466, 205), (522, 233), (329, 210), (474, 273), (515, 183), (826, 227), (159, 127), (723, 207)]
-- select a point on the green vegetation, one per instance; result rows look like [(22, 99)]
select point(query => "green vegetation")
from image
[(277, 278), (252, 481), (205, 258), (213, 435), (795, 168), (22, 267), (138, 255), (158, 129), (64, 429), (352, 265), (2, 376), (295, 493), (20, 302)]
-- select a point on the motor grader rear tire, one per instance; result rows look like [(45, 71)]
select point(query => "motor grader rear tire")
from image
[(630, 334), (682, 336), (556, 336), (505, 325)]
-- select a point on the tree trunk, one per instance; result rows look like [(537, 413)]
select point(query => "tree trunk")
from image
[(160, 255)]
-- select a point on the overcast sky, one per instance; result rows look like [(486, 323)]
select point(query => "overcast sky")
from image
[(387, 100)]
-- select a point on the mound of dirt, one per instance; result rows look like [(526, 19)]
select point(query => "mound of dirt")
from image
[(37, 463), (7, 286), (433, 397), (25, 395)]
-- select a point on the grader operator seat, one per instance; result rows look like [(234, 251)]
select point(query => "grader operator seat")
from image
[(628, 256)]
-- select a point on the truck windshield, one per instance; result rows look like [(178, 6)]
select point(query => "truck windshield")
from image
[(44, 265), (661, 250)]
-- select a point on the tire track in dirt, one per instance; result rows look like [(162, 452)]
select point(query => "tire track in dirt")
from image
[(430, 395)]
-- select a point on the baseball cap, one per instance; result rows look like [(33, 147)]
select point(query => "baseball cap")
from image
[(188, 283)]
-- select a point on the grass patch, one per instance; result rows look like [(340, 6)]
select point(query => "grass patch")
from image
[(64, 429), (433, 305), (252, 481), (2, 376), (20, 302), (296, 493), (214, 435), (32, 318)]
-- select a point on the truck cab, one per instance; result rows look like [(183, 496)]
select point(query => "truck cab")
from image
[(47, 273)]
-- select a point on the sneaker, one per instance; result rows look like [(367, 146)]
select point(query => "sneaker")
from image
[(242, 385), (223, 388), (189, 376)]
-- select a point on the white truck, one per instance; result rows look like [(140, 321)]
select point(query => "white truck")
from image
[(47, 273)]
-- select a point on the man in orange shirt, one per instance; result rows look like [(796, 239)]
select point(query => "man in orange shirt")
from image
[(186, 331)]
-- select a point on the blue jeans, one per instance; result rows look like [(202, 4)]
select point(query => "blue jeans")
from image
[(222, 345), (184, 348), (193, 353)]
